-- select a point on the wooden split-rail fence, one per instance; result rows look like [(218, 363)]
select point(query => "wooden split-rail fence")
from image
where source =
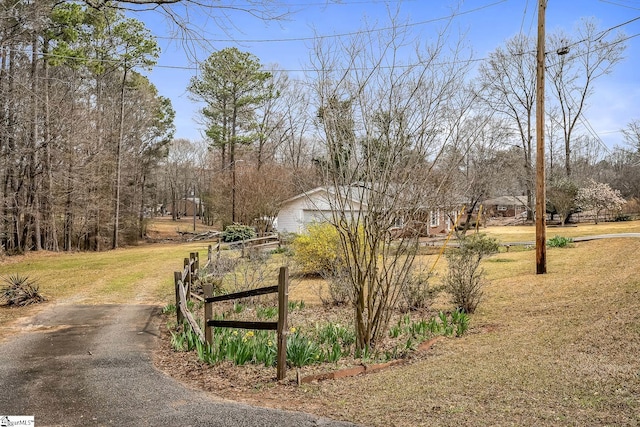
[(184, 281)]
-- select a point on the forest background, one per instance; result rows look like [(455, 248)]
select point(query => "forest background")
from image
[(88, 148)]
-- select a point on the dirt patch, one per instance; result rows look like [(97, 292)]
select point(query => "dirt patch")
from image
[(13, 320)]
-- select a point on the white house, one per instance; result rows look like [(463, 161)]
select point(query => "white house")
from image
[(315, 205)]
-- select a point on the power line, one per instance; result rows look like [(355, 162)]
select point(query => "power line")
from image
[(326, 36), (196, 68), (622, 40), (343, 3), (621, 5), (524, 15), (603, 33), (599, 36)]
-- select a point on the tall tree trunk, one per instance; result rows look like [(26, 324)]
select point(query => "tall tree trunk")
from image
[(48, 208), (11, 205), (4, 152), (141, 216), (116, 220), (97, 238), (567, 156), (33, 196), (67, 231), (68, 213)]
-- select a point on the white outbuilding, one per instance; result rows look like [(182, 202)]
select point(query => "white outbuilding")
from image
[(316, 205)]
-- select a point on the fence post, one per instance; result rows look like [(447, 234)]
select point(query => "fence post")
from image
[(187, 278), (209, 254), (195, 263), (218, 249), (242, 251), (283, 308), (208, 312), (177, 277)]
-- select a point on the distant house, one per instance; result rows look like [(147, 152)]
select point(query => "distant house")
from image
[(505, 206), (186, 207), (440, 221), (316, 205)]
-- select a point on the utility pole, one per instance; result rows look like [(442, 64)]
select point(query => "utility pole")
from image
[(541, 204)]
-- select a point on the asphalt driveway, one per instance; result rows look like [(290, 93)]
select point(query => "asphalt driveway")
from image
[(87, 365)]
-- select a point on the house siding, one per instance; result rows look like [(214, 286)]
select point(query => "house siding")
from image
[(289, 220), (297, 213)]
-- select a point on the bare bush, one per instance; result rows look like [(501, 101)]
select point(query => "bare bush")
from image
[(221, 266), (465, 279), (339, 287), (416, 293)]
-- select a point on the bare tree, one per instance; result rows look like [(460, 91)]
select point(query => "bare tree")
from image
[(473, 163), (632, 135), (508, 85), (380, 122), (561, 194), (190, 21), (179, 168), (260, 193), (270, 119), (581, 60), (298, 148), (135, 48)]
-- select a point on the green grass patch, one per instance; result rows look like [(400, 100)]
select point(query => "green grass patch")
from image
[(143, 272)]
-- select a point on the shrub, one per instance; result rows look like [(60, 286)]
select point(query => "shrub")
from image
[(221, 266), (339, 286), (238, 232), (20, 291), (317, 251), (622, 217), (559, 242), (416, 293), (464, 279)]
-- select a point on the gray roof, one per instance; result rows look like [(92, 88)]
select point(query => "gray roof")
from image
[(506, 201)]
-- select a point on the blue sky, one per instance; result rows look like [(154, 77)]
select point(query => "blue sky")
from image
[(485, 23)]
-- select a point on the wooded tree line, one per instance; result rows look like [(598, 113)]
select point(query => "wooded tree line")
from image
[(87, 149), (482, 143), (81, 128)]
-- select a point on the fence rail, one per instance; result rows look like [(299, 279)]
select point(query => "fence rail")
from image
[(186, 278), (268, 240)]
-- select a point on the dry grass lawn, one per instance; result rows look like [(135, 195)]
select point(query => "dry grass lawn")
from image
[(527, 233), (556, 349), (139, 275)]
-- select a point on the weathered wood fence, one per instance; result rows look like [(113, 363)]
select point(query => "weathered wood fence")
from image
[(243, 245), (186, 278), (282, 288), (183, 280)]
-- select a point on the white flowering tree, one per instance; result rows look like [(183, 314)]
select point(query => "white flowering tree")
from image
[(599, 196)]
